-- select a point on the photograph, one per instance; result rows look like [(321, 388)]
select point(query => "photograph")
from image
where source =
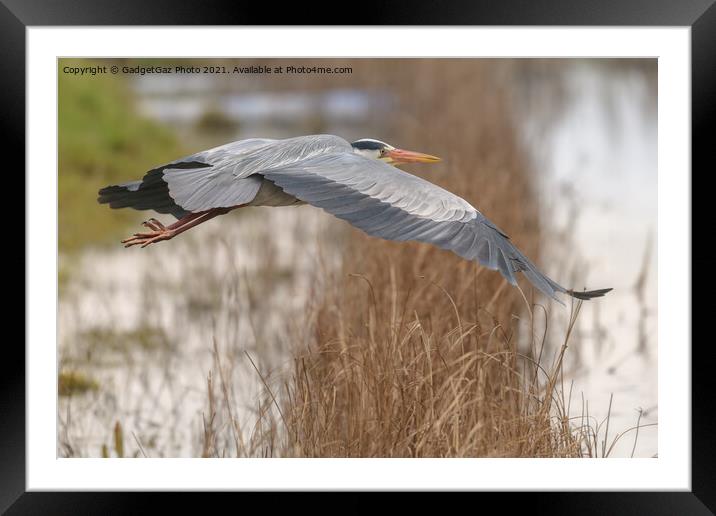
[(359, 257)]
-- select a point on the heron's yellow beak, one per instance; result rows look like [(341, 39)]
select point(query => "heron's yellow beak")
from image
[(398, 156)]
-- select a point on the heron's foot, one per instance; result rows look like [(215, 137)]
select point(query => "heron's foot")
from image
[(144, 239), (158, 233)]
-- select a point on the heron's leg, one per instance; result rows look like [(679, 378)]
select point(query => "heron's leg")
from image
[(161, 232), (185, 220)]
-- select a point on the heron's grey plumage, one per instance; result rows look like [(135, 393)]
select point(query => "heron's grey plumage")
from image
[(324, 170)]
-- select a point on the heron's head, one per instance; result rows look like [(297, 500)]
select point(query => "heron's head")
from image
[(376, 149)]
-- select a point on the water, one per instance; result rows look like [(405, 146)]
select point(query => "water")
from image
[(152, 324), (597, 164)]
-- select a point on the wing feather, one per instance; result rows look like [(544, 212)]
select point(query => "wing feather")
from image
[(151, 193)]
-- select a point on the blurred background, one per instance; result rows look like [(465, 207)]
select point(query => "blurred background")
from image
[(190, 347)]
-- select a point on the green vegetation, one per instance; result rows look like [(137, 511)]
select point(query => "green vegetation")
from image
[(147, 338), (118, 439), (214, 121), (118, 435), (70, 383), (102, 140)]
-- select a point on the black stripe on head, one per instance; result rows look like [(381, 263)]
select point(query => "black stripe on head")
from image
[(369, 144)]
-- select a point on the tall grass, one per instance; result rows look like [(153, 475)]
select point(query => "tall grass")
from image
[(388, 383)]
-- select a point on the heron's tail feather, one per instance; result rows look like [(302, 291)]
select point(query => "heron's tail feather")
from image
[(118, 196), (151, 193)]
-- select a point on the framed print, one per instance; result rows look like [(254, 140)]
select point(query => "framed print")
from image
[(361, 257)]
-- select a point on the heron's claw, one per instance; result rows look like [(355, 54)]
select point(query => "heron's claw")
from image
[(154, 225)]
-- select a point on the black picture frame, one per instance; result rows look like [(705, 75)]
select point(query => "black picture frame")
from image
[(700, 15)]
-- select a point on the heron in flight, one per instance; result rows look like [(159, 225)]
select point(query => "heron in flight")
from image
[(357, 182)]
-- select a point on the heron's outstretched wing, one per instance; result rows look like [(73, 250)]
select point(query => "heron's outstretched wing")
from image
[(388, 203), (221, 177)]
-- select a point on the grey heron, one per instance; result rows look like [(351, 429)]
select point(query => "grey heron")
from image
[(356, 182)]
